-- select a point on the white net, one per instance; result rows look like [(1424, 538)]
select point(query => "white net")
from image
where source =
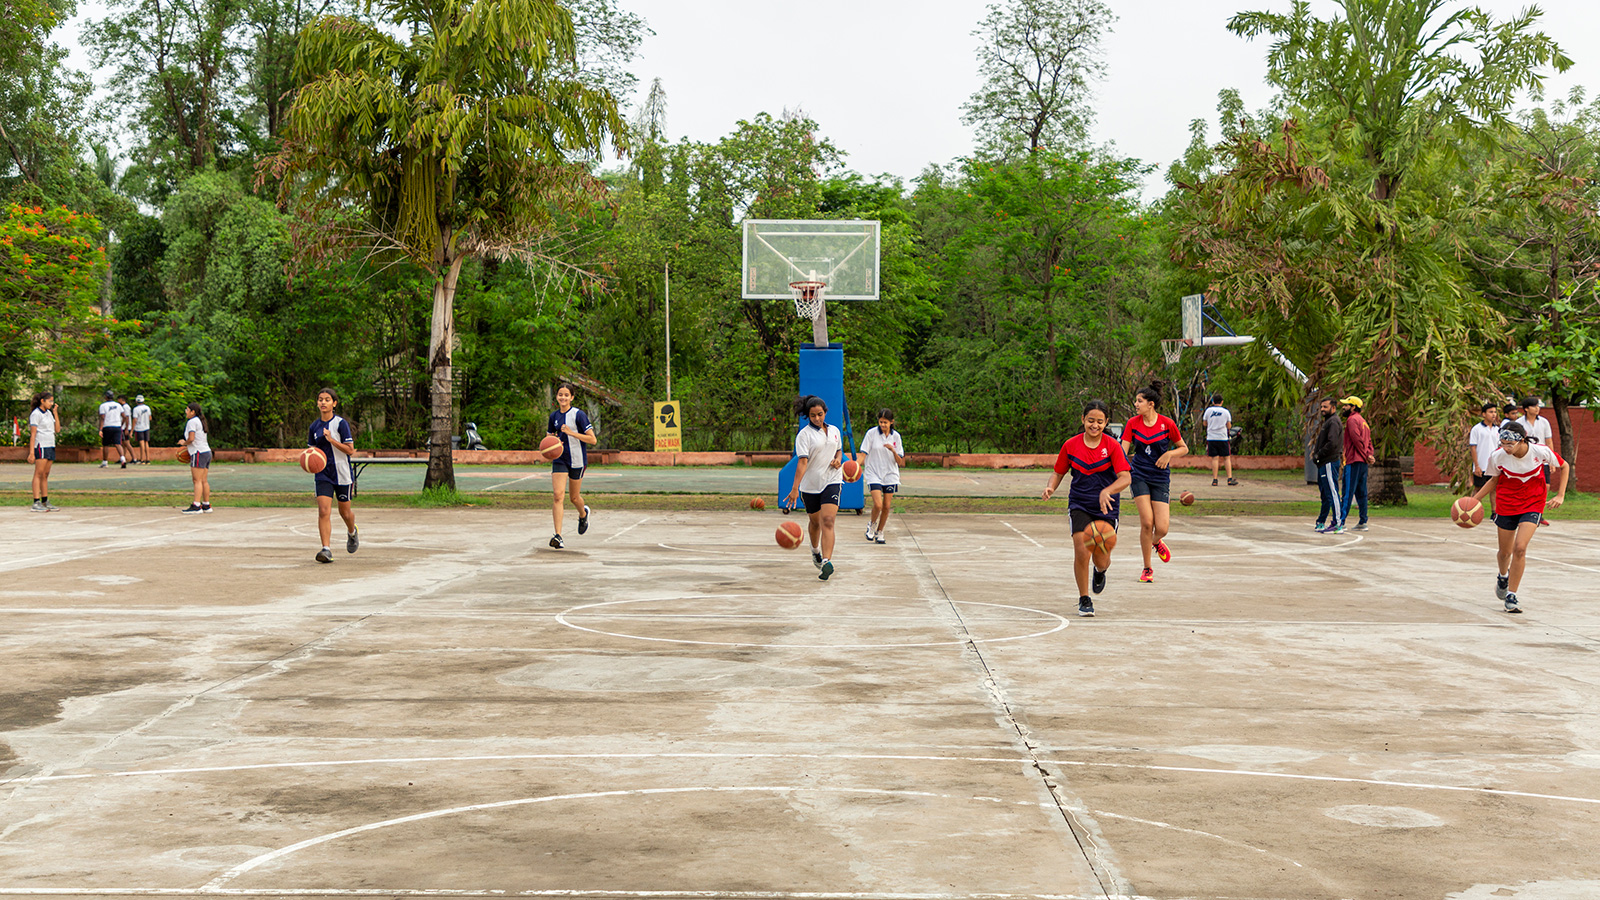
[(808, 298), (1172, 350)]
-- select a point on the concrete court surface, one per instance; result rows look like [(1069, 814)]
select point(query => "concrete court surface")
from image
[(674, 707), (227, 477)]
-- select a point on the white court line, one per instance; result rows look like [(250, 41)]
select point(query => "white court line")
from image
[(626, 530), (1024, 536), (1491, 549), (557, 892), (516, 480)]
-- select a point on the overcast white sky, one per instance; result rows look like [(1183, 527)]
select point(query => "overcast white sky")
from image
[(885, 79)]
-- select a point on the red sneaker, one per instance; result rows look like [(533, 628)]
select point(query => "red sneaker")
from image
[(1163, 552), (1147, 576)]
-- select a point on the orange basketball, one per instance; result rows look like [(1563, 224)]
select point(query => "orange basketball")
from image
[(789, 535), (757, 503), (183, 455), (1100, 535), (313, 460), (1186, 498), (852, 470), (550, 447), (1466, 512)]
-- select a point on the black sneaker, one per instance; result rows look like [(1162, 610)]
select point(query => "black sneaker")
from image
[(324, 555), (583, 521), (205, 507), (1213, 482), (1097, 583), (351, 542), (1502, 587), (555, 541), (1511, 604), (1086, 607), (1233, 481), (827, 569), (193, 508), (816, 557)]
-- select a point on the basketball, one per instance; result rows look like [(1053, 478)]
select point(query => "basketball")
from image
[(313, 460), (550, 447), (757, 503), (789, 535), (1186, 498), (183, 455), (852, 470), (1466, 512), (1100, 535)]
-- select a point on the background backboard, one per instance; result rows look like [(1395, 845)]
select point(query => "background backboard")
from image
[(841, 252)]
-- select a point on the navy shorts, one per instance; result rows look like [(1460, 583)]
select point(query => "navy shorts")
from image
[(815, 502), (1158, 493), (575, 474), (45, 453), (1082, 517), (200, 460), (110, 436), (1510, 523), (876, 488), (1219, 448), (142, 435), (339, 492)]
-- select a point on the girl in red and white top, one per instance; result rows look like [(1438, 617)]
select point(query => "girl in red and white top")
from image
[(1517, 477)]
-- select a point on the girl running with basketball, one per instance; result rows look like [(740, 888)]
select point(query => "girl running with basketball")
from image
[(1152, 441), (1099, 472), (566, 471), (44, 423), (194, 438), (817, 479), (331, 434), (1517, 478), (884, 452)]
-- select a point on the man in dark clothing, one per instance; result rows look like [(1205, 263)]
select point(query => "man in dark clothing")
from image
[(1325, 450)]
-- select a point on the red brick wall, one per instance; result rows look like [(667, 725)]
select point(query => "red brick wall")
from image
[(1587, 430)]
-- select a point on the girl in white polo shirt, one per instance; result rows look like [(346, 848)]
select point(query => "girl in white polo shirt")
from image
[(194, 437), (43, 424), (817, 478), (884, 452)]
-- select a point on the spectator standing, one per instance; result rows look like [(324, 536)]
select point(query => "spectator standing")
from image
[(1218, 420), (141, 429), (1357, 460), (1325, 450), (1484, 439)]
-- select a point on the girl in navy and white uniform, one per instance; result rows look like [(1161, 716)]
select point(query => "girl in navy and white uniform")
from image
[(194, 438), (1152, 441), (331, 433), (1099, 473), (884, 452), (43, 425), (1517, 477), (572, 425), (818, 477)]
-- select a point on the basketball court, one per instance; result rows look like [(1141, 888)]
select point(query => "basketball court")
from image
[(674, 707)]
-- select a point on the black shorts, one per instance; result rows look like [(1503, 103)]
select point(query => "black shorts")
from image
[(110, 436), (201, 460), (45, 453), (1219, 448), (1082, 517), (561, 466), (815, 502), (142, 436), (876, 488), (339, 492), (1510, 523), (1158, 493), (1479, 481)]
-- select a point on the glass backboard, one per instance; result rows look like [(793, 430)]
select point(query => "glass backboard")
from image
[(841, 252)]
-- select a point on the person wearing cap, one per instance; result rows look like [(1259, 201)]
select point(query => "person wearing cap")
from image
[(1325, 449), (1357, 459), (141, 429)]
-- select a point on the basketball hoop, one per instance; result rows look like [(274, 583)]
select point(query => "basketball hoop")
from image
[(808, 297), (1172, 350)]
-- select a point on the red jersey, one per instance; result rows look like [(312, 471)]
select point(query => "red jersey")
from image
[(1520, 485), (1093, 470)]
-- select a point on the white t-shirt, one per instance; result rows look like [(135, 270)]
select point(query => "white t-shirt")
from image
[(1217, 420), (111, 414), (199, 444), (1538, 427), (881, 467), (1484, 440), (141, 418), (819, 445), (45, 421), (127, 416)]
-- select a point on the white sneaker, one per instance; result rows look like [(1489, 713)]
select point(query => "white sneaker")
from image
[(39, 507), (102, 464), (871, 535)]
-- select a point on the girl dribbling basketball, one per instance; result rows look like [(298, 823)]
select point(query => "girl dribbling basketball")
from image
[(1517, 477), (1099, 472), (566, 471), (818, 478), (331, 434), (1152, 441)]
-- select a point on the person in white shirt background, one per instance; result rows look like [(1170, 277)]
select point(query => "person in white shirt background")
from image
[(194, 437), (111, 429), (1484, 439), (141, 429), (43, 425), (884, 452), (1218, 420)]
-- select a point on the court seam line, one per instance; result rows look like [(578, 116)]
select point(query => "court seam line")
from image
[(1013, 528)]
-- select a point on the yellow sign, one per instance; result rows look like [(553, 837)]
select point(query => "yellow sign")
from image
[(669, 427)]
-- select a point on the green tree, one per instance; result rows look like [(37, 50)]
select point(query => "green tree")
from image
[(456, 143)]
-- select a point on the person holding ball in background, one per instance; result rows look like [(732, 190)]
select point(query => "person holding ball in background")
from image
[(1099, 473), (566, 471), (194, 438), (885, 453), (44, 423), (331, 434)]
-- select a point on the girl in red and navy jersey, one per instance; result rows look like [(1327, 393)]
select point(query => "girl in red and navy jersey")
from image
[(1152, 441), (1099, 472), (1517, 477)]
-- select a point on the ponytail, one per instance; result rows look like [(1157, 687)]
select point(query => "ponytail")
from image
[(1151, 392)]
